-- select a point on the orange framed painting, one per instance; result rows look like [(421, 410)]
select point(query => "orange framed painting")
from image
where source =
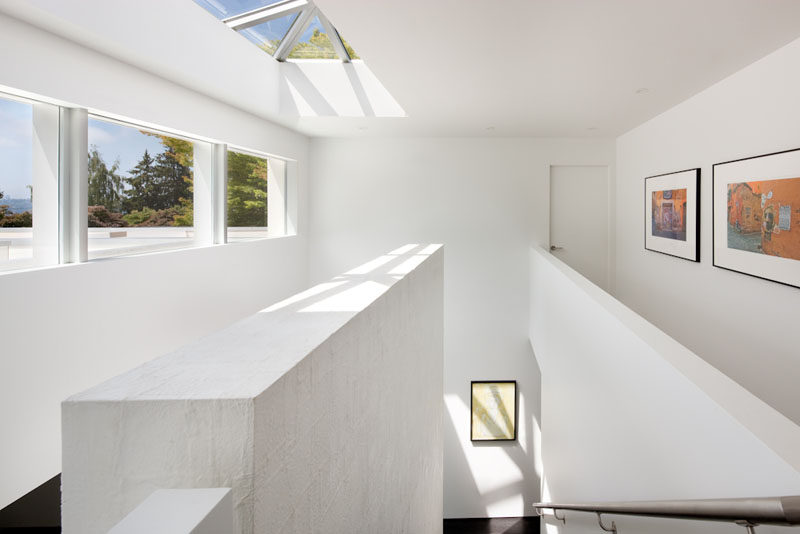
[(672, 214), (756, 216)]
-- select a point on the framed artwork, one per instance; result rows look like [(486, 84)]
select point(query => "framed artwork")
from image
[(494, 410), (672, 214), (756, 216)]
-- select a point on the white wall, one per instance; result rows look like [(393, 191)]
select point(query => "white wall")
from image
[(630, 414), (485, 199), (66, 328), (322, 413), (746, 327)]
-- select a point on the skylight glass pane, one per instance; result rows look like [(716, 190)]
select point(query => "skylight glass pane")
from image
[(314, 44), (349, 49), (268, 35), (222, 9)]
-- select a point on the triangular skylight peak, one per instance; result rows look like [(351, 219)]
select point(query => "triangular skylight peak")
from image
[(285, 29)]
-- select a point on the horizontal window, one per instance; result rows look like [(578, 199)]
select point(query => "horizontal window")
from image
[(247, 196), (140, 190)]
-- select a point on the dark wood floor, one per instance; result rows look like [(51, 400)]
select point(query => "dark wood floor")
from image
[(497, 525)]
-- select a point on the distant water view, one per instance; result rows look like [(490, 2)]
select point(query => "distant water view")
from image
[(17, 205)]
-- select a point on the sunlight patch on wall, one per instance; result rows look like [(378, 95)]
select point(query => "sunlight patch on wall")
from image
[(319, 88), (499, 508), (505, 472)]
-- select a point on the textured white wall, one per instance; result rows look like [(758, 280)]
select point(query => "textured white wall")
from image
[(629, 414), (66, 328), (744, 326), (485, 199), (323, 413)]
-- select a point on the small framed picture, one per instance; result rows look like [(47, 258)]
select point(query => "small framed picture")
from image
[(756, 214), (672, 214), (494, 410)]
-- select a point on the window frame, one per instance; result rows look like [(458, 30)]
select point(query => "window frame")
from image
[(64, 145), (196, 239), (277, 199), (45, 241)]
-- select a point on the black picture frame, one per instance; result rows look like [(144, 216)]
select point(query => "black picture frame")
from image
[(775, 166), (688, 179), (471, 411)]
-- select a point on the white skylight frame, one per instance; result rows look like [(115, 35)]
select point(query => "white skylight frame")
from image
[(306, 10)]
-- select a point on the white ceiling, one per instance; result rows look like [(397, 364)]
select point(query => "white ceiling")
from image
[(456, 67), (547, 67)]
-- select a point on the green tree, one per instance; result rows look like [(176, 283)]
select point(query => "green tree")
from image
[(350, 50), (247, 190), (142, 189), (178, 160), (319, 46), (105, 184), (174, 179)]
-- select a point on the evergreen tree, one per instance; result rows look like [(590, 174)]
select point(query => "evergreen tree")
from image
[(105, 184), (142, 189), (174, 179), (247, 190), (182, 152)]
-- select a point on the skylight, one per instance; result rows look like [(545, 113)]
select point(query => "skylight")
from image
[(223, 9), (285, 29)]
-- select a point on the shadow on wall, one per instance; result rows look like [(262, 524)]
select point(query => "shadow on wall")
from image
[(334, 89), (504, 475)]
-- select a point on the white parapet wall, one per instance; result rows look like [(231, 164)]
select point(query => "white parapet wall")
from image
[(323, 413), (630, 414)]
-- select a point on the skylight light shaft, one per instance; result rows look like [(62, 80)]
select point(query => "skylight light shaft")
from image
[(265, 14)]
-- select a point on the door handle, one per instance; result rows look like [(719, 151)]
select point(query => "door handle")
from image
[(553, 248)]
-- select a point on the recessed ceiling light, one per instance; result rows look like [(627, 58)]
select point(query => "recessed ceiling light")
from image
[(642, 91)]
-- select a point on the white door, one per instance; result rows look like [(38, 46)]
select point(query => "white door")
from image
[(579, 219)]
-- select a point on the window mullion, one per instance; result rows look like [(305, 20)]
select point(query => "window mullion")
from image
[(335, 38), (295, 32), (73, 185), (220, 193)]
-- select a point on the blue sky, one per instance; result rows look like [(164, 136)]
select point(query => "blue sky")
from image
[(113, 141), (227, 8), (123, 143), (16, 145)]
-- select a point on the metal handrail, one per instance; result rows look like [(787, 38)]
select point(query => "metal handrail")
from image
[(748, 512)]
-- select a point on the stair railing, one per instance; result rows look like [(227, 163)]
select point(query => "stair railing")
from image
[(747, 512)]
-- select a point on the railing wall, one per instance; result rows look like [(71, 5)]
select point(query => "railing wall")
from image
[(322, 413), (629, 414)]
